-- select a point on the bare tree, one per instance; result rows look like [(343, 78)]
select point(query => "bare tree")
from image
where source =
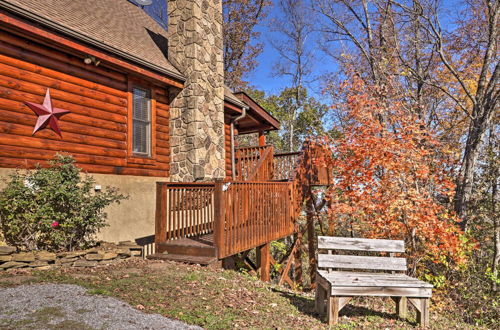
[(366, 25), (293, 29)]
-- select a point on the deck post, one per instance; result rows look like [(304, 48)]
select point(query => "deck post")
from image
[(262, 139), (161, 214), (219, 213), (311, 240), (264, 255)]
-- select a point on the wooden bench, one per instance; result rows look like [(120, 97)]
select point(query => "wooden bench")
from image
[(341, 277)]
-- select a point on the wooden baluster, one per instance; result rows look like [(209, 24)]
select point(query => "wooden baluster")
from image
[(185, 215), (181, 201), (189, 211), (207, 210), (189, 214), (174, 206), (169, 213), (194, 212), (199, 208)]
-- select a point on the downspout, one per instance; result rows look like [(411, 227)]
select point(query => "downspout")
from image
[(233, 121)]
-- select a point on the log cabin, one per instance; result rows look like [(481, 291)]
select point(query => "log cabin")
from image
[(145, 110)]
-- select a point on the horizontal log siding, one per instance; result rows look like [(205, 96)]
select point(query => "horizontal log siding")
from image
[(227, 148), (94, 132)]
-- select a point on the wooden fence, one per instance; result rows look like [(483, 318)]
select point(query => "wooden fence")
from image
[(249, 214), (183, 209)]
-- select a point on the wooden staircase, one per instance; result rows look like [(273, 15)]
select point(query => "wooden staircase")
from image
[(193, 250), (205, 222)]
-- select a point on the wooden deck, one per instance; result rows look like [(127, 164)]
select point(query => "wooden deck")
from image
[(202, 222)]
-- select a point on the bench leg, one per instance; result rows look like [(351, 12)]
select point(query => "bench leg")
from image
[(422, 306), (401, 306), (320, 299), (423, 315), (332, 309)]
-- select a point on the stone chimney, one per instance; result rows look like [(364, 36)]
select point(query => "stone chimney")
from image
[(197, 112)]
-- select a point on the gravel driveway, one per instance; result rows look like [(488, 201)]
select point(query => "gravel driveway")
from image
[(64, 306)]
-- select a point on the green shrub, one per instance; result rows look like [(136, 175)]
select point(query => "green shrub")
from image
[(53, 208)]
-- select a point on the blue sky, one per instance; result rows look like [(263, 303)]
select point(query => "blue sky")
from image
[(262, 77)]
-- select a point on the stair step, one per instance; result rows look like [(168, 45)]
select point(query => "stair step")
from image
[(190, 259), (197, 246), (184, 249)]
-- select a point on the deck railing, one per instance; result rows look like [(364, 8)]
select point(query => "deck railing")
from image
[(247, 160), (250, 214), (284, 164), (241, 214), (183, 209)]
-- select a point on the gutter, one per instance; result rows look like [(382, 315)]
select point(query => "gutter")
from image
[(233, 121), (77, 35)]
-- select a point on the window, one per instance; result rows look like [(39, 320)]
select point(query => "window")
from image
[(141, 121)]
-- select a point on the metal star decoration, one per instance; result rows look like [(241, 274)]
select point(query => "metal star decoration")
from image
[(47, 114)]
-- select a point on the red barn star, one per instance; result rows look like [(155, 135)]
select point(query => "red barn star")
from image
[(47, 114)]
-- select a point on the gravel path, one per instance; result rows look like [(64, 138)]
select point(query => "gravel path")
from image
[(64, 306)]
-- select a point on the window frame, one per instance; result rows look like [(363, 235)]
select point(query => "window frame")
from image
[(135, 157)]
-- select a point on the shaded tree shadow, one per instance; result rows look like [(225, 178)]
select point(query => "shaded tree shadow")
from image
[(306, 306), (303, 305)]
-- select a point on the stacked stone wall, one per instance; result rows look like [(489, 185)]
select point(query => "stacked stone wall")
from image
[(104, 254)]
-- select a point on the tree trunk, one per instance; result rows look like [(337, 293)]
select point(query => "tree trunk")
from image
[(496, 240), (493, 211), (465, 181)]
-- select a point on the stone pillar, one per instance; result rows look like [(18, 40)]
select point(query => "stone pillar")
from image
[(197, 112)]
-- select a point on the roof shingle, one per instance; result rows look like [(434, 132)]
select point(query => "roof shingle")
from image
[(118, 24)]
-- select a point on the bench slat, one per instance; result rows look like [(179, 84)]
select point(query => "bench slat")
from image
[(339, 279), (382, 292), (360, 244), (361, 262)]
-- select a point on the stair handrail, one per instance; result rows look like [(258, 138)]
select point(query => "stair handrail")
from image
[(266, 157)]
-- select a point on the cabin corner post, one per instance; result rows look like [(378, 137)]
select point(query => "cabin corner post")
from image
[(161, 213), (219, 217)]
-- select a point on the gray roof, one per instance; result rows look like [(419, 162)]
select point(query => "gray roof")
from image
[(122, 27)]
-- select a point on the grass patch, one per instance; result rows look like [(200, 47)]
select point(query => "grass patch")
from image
[(217, 299), (47, 314), (99, 291)]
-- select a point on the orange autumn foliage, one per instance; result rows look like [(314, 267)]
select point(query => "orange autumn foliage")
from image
[(391, 179)]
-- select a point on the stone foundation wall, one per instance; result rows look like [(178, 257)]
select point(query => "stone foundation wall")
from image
[(104, 254)]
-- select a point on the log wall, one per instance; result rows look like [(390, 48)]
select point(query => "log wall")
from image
[(227, 144), (95, 132)]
